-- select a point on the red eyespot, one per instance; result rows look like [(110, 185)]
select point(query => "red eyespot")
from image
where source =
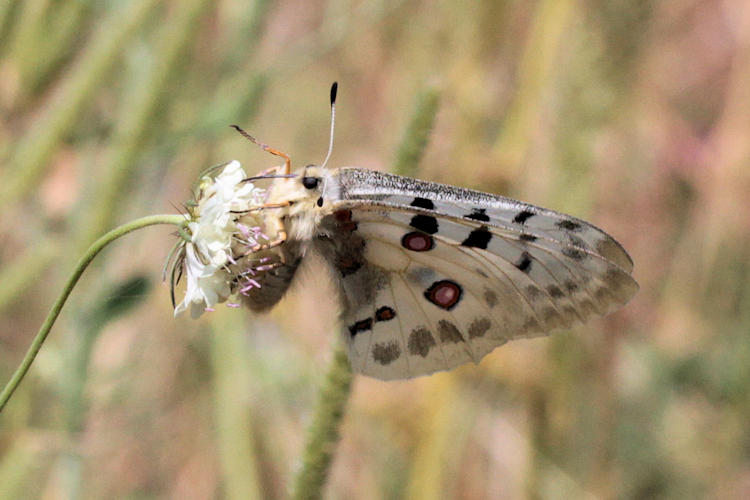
[(417, 242), (444, 294)]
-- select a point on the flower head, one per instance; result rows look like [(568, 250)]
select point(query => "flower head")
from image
[(213, 230)]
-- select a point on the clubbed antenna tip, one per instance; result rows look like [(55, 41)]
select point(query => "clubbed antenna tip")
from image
[(334, 89)]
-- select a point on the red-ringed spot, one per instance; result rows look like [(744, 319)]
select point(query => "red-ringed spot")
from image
[(360, 326), (417, 242), (444, 294), (385, 313)]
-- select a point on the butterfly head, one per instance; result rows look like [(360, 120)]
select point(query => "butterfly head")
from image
[(303, 191)]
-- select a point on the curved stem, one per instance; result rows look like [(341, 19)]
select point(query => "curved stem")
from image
[(93, 250)]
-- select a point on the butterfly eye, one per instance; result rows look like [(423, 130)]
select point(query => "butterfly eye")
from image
[(310, 182)]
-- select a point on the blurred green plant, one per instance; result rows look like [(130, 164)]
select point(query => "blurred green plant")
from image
[(110, 108)]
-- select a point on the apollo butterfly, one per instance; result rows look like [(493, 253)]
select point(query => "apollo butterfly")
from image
[(429, 275)]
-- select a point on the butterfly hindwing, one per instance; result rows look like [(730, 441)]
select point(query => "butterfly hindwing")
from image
[(434, 276)]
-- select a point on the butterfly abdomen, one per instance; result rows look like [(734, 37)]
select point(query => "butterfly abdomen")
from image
[(262, 290)]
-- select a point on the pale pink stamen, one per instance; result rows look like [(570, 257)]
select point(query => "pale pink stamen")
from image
[(233, 305), (244, 230), (251, 284)]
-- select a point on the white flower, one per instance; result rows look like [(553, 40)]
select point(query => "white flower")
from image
[(207, 285), (213, 230)]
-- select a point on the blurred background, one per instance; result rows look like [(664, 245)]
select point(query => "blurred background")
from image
[(632, 114)]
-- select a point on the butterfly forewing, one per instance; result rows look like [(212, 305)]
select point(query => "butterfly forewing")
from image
[(434, 276), (518, 218)]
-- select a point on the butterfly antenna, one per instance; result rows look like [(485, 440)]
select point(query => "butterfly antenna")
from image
[(266, 147), (334, 90)]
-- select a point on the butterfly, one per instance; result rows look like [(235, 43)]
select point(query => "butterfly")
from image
[(431, 276)]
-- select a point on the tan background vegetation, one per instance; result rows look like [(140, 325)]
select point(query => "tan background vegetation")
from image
[(634, 115)]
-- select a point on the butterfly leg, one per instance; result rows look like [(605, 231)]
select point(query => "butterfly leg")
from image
[(280, 231), (280, 238)]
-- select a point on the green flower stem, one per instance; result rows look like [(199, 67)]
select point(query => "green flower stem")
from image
[(323, 434), (93, 250)]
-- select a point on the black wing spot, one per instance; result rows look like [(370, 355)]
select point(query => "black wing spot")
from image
[(385, 313), (571, 286), (349, 258), (424, 223), (522, 216), (524, 263), (576, 241), (360, 326), (449, 332), (531, 325), (527, 237), (603, 295), (348, 265), (490, 297), (420, 342), (386, 353), (344, 220), (587, 308), (479, 327), (568, 225), (551, 317), (573, 253), (478, 214), (423, 203), (533, 292), (343, 215), (570, 311), (479, 238), (555, 292)]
